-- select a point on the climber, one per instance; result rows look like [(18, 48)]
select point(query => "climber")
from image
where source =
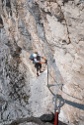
[(36, 58)]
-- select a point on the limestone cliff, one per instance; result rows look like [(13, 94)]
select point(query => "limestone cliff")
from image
[(54, 28)]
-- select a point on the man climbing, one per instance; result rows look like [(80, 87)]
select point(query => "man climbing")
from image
[(36, 58)]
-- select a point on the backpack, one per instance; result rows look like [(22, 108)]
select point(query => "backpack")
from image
[(31, 57)]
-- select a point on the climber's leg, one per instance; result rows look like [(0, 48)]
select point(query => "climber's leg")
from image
[(38, 68)]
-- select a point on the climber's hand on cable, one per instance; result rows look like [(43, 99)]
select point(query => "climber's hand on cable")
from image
[(46, 61)]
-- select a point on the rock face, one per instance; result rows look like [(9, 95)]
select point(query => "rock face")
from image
[(54, 28)]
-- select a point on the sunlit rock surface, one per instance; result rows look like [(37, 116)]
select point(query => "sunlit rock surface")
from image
[(54, 28)]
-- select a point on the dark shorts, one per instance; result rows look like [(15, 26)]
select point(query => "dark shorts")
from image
[(38, 66)]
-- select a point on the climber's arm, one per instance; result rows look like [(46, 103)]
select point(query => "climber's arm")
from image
[(44, 60)]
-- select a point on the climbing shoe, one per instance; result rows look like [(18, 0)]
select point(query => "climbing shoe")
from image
[(41, 71), (37, 74)]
